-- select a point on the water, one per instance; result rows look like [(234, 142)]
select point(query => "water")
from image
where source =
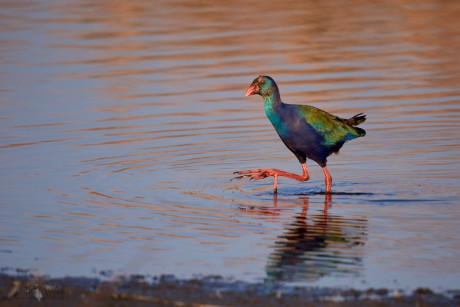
[(122, 123)]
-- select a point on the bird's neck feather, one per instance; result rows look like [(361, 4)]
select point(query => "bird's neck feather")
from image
[(273, 105), (272, 100)]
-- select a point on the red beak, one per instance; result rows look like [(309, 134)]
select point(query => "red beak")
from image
[(251, 90)]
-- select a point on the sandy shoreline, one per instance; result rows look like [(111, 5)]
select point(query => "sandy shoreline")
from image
[(137, 290)]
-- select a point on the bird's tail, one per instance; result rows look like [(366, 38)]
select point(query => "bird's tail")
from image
[(360, 131), (357, 119)]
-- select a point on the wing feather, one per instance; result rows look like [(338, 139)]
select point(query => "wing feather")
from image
[(333, 129)]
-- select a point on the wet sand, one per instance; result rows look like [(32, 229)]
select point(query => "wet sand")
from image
[(166, 290)]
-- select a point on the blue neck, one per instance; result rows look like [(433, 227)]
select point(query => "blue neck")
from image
[(272, 103)]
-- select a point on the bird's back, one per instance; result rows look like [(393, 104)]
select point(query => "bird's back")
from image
[(310, 132)]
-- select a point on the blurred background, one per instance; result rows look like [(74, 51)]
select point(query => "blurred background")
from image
[(122, 122)]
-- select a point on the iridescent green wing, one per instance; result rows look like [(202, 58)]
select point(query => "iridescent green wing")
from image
[(332, 128)]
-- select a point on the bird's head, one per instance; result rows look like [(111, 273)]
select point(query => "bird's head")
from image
[(263, 86)]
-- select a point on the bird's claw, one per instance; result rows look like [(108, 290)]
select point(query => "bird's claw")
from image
[(242, 177), (252, 174)]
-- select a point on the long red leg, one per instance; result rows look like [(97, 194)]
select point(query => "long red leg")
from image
[(327, 180), (257, 174), (327, 202)]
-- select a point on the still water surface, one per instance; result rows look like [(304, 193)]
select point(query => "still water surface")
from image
[(121, 124)]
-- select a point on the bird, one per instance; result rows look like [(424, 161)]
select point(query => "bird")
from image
[(308, 132)]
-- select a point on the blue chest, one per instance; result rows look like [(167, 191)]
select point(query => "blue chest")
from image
[(285, 119), (293, 129)]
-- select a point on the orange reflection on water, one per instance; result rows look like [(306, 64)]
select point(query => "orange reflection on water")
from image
[(121, 125)]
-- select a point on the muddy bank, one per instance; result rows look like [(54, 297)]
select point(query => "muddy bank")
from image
[(207, 291)]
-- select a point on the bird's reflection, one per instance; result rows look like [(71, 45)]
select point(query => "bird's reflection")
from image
[(315, 245), (275, 209)]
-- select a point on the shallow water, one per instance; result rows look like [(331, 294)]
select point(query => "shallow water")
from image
[(122, 123)]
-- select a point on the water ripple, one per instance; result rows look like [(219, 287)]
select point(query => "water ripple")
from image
[(121, 126)]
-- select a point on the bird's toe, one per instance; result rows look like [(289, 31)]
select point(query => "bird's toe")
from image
[(251, 174)]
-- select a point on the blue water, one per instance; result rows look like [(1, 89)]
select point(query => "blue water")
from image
[(121, 125)]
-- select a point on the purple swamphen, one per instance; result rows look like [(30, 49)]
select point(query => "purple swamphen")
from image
[(309, 132)]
